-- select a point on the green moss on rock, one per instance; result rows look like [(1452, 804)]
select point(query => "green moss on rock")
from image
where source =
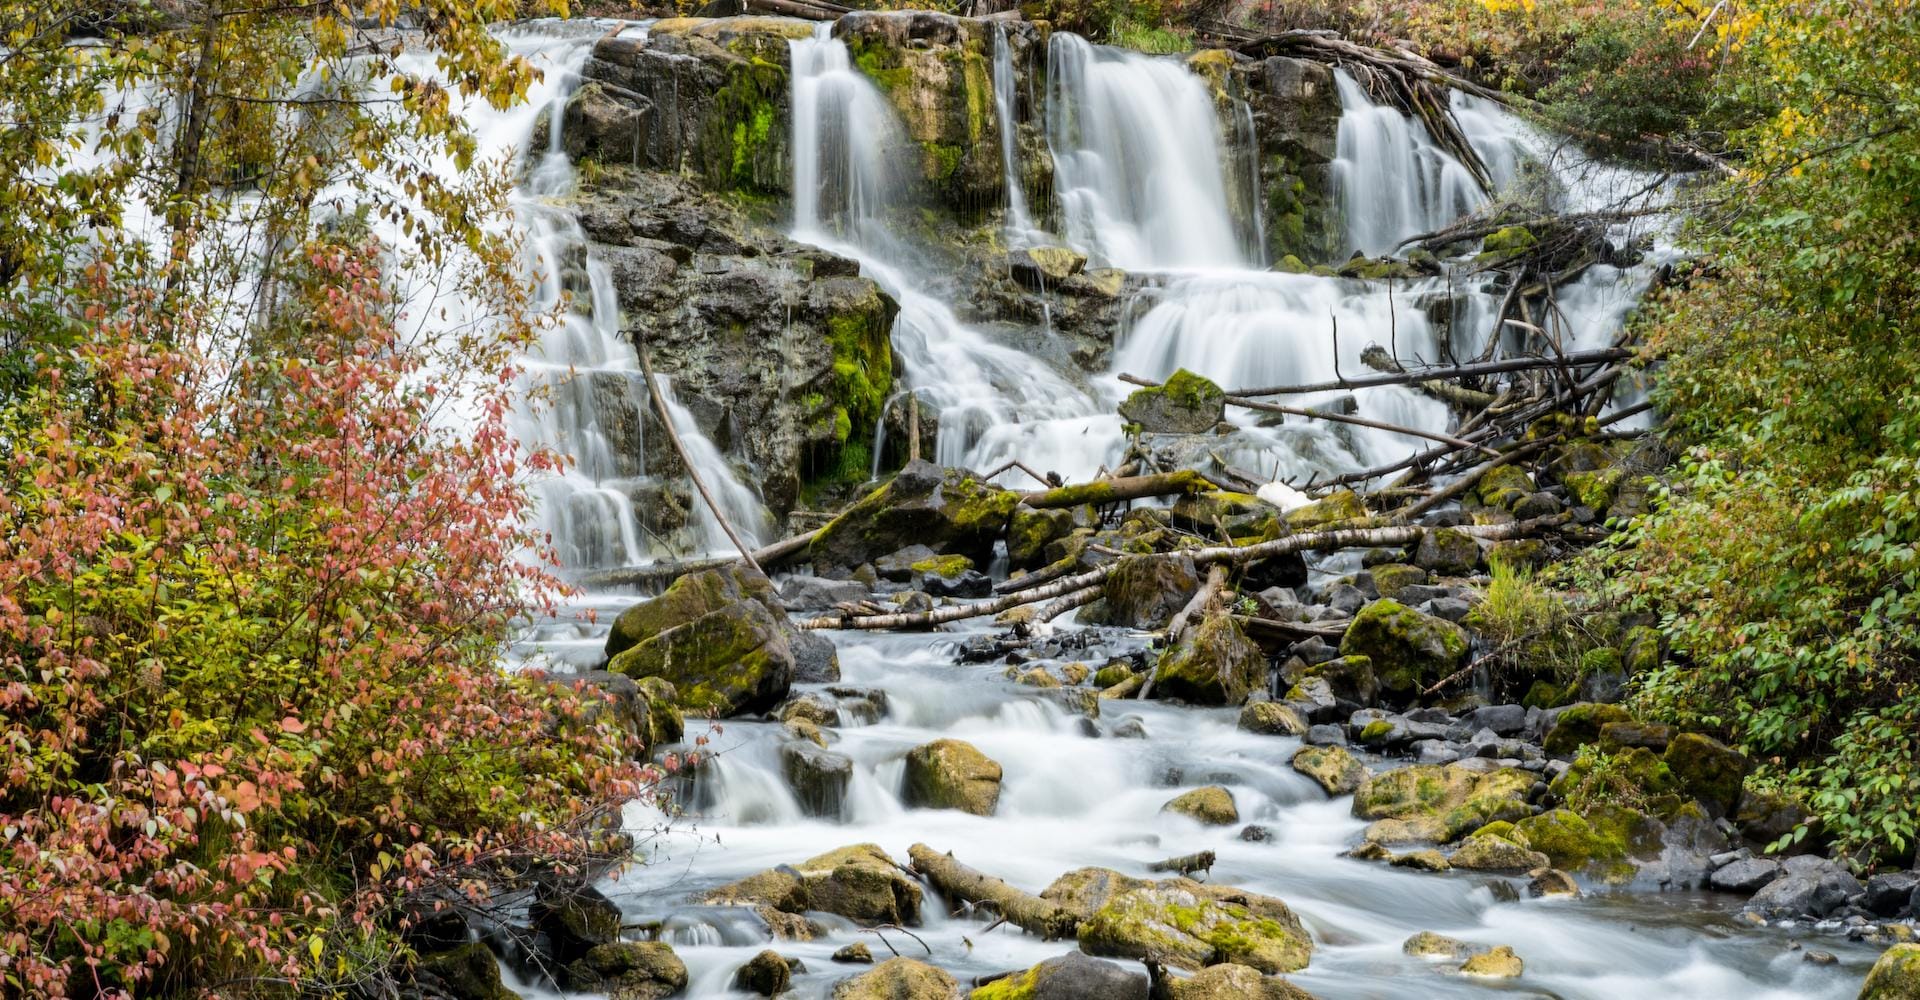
[(1182, 924), (1580, 725), (952, 774), (1211, 806), (1185, 404), (1896, 976), (1707, 770), (1409, 650), (1213, 664), (1336, 770)]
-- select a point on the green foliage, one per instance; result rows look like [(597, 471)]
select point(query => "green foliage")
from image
[(1633, 74), (1784, 555)]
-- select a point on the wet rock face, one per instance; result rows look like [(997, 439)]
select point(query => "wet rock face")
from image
[(1186, 404), (464, 972), (1296, 123), (937, 72), (781, 352), (1143, 593), (1235, 982), (719, 93), (628, 970)]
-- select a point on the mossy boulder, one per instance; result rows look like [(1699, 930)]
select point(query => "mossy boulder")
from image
[(1349, 677), (1143, 592), (766, 974), (1271, 718), (1084, 890), (1427, 944), (1579, 725), (949, 510), (952, 774), (1504, 486), (1707, 770), (1896, 976), (859, 882), (718, 637), (899, 979), (1489, 853), (1447, 552), (1073, 976), (1185, 404), (1504, 244), (1409, 650), (1640, 649), (1604, 839), (1391, 578), (1190, 926), (1440, 802), (1211, 806), (1233, 982), (574, 920), (1030, 531), (464, 972), (1336, 770), (1595, 489), (1338, 507), (1212, 664), (628, 970)]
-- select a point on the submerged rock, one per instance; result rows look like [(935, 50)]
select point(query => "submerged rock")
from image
[(1234, 982), (1408, 650), (719, 636), (899, 979), (1073, 976), (1211, 806), (952, 774), (1186, 924), (628, 970), (1337, 771)]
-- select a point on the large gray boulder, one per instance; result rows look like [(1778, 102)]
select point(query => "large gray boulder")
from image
[(950, 510)]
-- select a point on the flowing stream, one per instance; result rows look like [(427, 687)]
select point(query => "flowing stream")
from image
[(1142, 180)]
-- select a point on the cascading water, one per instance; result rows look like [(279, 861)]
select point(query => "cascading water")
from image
[(1393, 181), (583, 390), (1139, 162), (1020, 230), (992, 400)]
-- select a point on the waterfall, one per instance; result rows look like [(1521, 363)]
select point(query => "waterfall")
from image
[(1139, 160), (581, 391), (993, 402), (1020, 230), (1393, 180)]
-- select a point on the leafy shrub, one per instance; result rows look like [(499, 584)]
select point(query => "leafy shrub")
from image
[(1784, 556), (249, 644)]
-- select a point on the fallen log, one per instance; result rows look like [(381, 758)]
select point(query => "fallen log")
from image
[(1231, 554), (1062, 605), (1022, 909), (1105, 491), (661, 574)]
